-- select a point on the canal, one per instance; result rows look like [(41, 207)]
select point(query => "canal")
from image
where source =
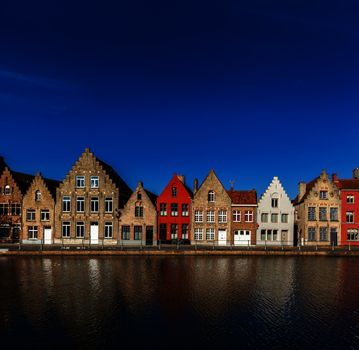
[(171, 302)]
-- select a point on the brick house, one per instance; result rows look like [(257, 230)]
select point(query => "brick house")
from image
[(174, 208), (38, 211), (13, 186), (88, 203), (243, 217), (317, 207), (138, 219), (349, 195), (211, 208)]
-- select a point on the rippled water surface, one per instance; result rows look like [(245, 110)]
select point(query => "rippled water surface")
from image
[(163, 302)]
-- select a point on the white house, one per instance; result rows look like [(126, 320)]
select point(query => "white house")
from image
[(275, 215)]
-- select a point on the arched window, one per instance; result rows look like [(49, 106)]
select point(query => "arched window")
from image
[(38, 195), (275, 200), (211, 196), (7, 189)]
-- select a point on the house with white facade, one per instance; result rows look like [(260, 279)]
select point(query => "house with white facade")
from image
[(275, 215)]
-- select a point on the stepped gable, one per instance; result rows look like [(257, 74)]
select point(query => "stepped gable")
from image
[(309, 187), (243, 197), (272, 183), (22, 180)]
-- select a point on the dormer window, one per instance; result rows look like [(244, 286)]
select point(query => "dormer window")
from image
[(38, 196), (7, 190), (139, 196), (174, 191), (211, 196)]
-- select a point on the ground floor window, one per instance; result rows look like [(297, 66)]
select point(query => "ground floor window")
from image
[(198, 234), (312, 234), (138, 232), (323, 234), (184, 231), (269, 235), (108, 230), (66, 229), (210, 234), (32, 232), (125, 232), (174, 231), (353, 235), (80, 229)]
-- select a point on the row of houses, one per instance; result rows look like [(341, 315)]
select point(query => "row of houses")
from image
[(94, 205)]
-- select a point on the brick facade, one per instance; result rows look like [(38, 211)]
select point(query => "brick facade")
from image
[(138, 219)]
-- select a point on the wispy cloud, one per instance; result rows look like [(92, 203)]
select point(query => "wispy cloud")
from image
[(36, 80)]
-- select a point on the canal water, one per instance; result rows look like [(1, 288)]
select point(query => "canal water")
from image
[(186, 302)]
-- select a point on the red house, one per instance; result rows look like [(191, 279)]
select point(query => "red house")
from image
[(349, 194), (173, 211)]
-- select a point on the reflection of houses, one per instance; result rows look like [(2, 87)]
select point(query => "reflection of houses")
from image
[(138, 220), (210, 212), (88, 202), (349, 194), (174, 208), (38, 211), (244, 217), (317, 208), (275, 216), (13, 186)]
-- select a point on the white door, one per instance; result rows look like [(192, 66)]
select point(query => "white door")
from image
[(47, 236), (222, 237), (94, 233)]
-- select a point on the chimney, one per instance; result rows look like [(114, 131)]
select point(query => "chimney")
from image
[(301, 190), (356, 173), (334, 178), (195, 186), (181, 178)]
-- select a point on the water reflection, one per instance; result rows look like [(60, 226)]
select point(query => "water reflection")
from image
[(257, 302)]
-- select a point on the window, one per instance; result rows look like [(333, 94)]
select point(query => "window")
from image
[(174, 231), (45, 215), (198, 216), (275, 235), (15, 209), (163, 209), (4, 209), (125, 232), (184, 231), (139, 196), (274, 218), (210, 216), (38, 196), (139, 212), (30, 215), (94, 182), (236, 215), (269, 235), (138, 232), (32, 232), (184, 209), (80, 229), (322, 213), (174, 192), (211, 196), (274, 202), (198, 234), (66, 229), (323, 234), (311, 214), (323, 194), (350, 199), (333, 214), (174, 209), (80, 181), (7, 190), (248, 216), (108, 205), (264, 217), (353, 235), (222, 216), (349, 216), (80, 204), (284, 218), (263, 235), (108, 229), (312, 234), (94, 204), (210, 234), (66, 204)]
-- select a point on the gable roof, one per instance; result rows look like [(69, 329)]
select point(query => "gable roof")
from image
[(178, 180), (309, 187), (347, 184), (2, 164), (243, 197), (52, 186), (152, 197), (23, 181), (211, 172)]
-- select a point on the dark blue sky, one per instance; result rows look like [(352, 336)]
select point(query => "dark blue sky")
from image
[(251, 88)]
